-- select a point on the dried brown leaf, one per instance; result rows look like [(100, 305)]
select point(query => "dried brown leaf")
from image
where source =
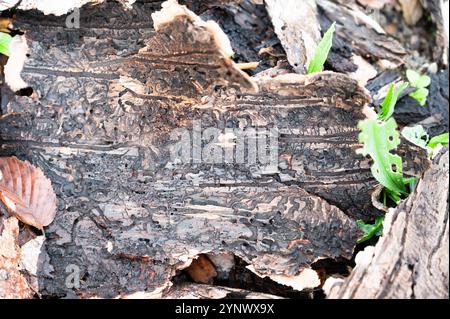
[(26, 192), (202, 270)]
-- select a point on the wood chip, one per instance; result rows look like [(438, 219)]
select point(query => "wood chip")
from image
[(12, 282)]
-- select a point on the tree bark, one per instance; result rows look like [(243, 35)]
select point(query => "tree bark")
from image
[(411, 258), (297, 28)]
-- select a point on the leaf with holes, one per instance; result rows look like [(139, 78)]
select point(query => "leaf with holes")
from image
[(26, 192), (378, 139), (416, 135)]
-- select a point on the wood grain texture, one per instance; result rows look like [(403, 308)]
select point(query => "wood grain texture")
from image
[(411, 259)]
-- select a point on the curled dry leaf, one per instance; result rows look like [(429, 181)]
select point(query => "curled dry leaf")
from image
[(26, 192)]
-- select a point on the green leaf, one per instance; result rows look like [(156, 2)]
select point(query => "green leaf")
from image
[(412, 182), (396, 197), (416, 135), (5, 41), (420, 82), (413, 77), (417, 80), (371, 230), (323, 49), (440, 139), (420, 95), (388, 104), (378, 139)]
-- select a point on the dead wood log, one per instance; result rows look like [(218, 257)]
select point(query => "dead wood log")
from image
[(357, 34), (150, 94), (411, 259), (297, 27), (134, 205)]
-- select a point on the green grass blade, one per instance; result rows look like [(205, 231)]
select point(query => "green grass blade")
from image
[(323, 49), (388, 104)]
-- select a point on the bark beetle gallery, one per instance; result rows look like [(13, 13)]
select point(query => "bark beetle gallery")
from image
[(146, 162)]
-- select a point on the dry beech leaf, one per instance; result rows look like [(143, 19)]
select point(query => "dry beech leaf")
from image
[(26, 192), (202, 270)]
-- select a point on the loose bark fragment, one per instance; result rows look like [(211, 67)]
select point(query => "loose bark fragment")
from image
[(298, 29), (197, 291), (134, 208), (26, 192), (307, 278), (412, 11), (247, 25), (411, 258), (47, 7), (440, 14), (12, 283), (408, 111), (224, 264), (357, 33)]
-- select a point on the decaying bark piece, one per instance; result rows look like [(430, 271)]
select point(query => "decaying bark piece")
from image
[(198, 291), (412, 11), (411, 259), (297, 27), (12, 282), (440, 14), (434, 115), (141, 134), (47, 7), (247, 25), (357, 34)]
